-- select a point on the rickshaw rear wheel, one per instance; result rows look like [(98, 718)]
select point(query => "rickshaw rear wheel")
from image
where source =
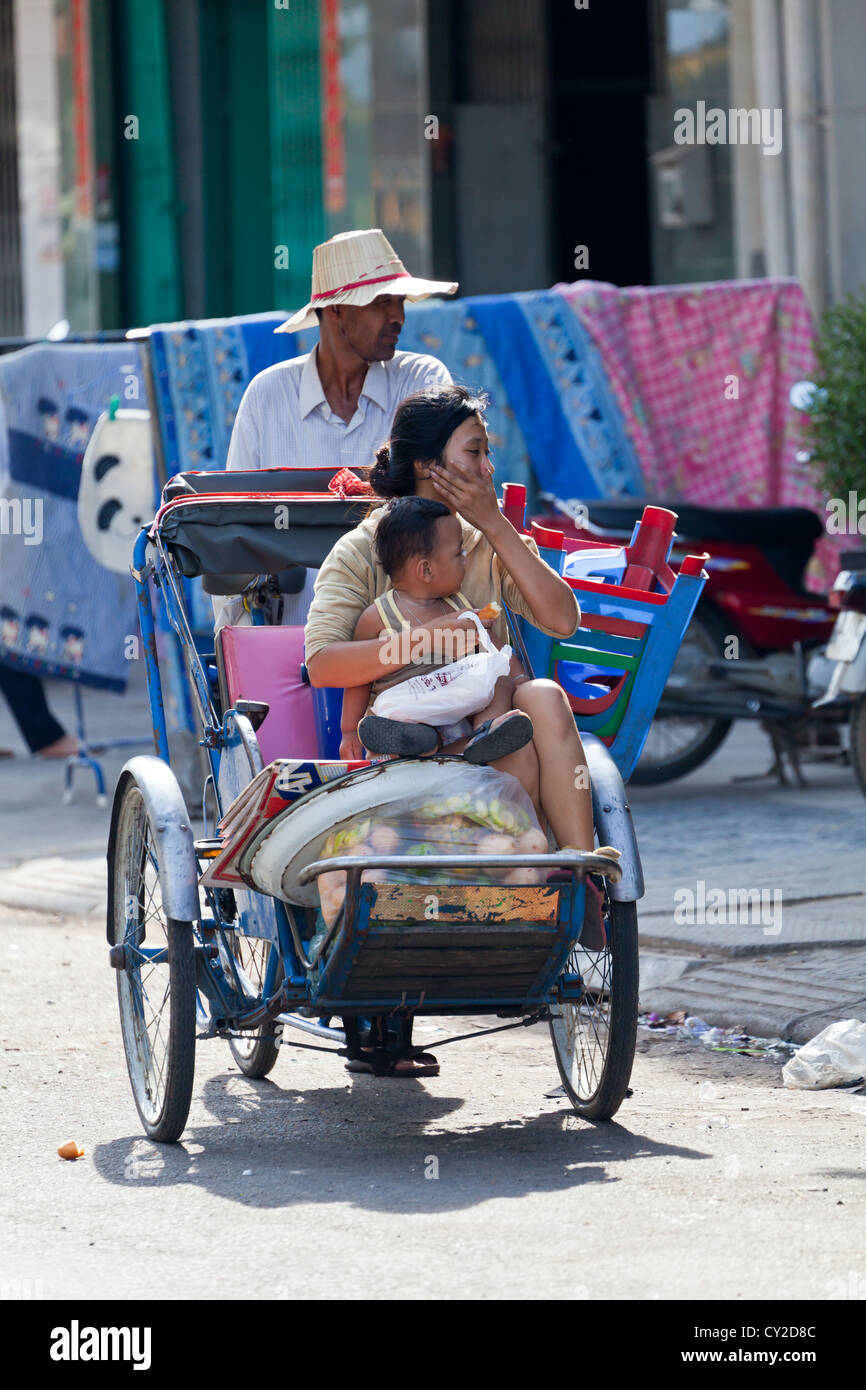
[(156, 993), (594, 1038), (255, 1052)]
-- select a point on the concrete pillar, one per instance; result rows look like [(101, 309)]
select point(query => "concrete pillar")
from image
[(803, 136), (843, 44), (37, 125), (768, 86), (749, 254)]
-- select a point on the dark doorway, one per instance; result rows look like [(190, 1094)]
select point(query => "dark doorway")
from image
[(600, 76)]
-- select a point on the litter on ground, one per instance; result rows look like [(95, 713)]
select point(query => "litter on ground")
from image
[(689, 1028)]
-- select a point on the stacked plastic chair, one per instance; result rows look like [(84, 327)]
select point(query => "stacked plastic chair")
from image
[(613, 670)]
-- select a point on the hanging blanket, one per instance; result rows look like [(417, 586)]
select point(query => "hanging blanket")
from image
[(702, 375), (554, 421), (200, 371), (61, 613)]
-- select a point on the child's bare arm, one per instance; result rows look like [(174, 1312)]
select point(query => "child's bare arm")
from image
[(357, 697), (355, 701)]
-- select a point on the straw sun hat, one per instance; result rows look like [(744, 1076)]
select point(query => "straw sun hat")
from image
[(354, 268)]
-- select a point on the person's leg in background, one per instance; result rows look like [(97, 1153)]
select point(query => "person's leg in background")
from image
[(25, 696)]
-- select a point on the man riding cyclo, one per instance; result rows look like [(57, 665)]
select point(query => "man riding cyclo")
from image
[(336, 407)]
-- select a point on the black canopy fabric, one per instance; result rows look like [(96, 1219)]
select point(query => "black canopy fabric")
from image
[(255, 535), (253, 480)]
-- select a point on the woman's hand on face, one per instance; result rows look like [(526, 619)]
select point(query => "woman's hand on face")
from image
[(468, 489)]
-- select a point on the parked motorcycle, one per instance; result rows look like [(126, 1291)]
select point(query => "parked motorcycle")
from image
[(746, 654)]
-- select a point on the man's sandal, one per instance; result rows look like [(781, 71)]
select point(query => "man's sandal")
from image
[(424, 1064), (488, 744)]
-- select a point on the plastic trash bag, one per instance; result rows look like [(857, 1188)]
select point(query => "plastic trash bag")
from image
[(449, 693), (834, 1057), (489, 814)]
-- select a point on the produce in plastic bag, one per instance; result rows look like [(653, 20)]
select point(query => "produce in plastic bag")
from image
[(490, 814)]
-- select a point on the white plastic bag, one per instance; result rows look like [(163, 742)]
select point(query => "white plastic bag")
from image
[(450, 693), (832, 1058)]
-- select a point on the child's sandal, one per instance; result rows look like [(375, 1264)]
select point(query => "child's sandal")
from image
[(394, 736)]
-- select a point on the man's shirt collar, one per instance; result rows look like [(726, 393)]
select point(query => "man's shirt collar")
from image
[(312, 395), (376, 384)]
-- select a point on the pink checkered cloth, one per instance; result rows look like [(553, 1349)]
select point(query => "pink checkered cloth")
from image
[(702, 374)]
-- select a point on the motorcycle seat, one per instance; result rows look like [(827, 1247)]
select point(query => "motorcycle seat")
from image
[(764, 527)]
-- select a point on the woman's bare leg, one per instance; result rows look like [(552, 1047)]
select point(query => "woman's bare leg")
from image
[(498, 704), (565, 793), (523, 764)]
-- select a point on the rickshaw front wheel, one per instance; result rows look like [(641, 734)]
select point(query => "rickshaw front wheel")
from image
[(156, 976), (594, 1037)]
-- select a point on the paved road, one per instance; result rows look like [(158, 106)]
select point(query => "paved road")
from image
[(714, 1181)]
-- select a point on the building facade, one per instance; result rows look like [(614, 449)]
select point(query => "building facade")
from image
[(167, 160)]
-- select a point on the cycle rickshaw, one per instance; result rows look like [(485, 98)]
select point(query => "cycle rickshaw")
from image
[(222, 936)]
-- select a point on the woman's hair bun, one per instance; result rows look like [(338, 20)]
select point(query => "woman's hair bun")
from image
[(379, 476)]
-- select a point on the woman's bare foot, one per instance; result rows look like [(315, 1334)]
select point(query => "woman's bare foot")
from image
[(63, 747)]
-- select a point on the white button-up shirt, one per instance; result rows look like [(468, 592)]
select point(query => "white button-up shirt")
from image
[(284, 420)]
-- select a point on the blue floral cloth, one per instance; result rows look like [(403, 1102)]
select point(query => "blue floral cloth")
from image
[(553, 419), (201, 369)]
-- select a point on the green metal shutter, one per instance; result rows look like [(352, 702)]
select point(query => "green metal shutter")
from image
[(151, 260), (236, 143), (296, 146)]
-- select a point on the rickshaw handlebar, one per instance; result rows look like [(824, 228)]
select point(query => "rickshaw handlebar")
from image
[(562, 859)]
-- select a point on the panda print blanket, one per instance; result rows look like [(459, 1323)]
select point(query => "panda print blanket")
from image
[(62, 612)]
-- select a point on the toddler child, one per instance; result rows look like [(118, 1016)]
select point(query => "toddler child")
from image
[(420, 547)]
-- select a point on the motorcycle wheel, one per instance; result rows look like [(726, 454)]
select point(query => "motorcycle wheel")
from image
[(677, 744), (858, 742)]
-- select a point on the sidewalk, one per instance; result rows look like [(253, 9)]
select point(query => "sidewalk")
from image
[(790, 974), (802, 964), (792, 995), (34, 822)]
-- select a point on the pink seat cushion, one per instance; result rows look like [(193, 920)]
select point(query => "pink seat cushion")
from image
[(264, 663)]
